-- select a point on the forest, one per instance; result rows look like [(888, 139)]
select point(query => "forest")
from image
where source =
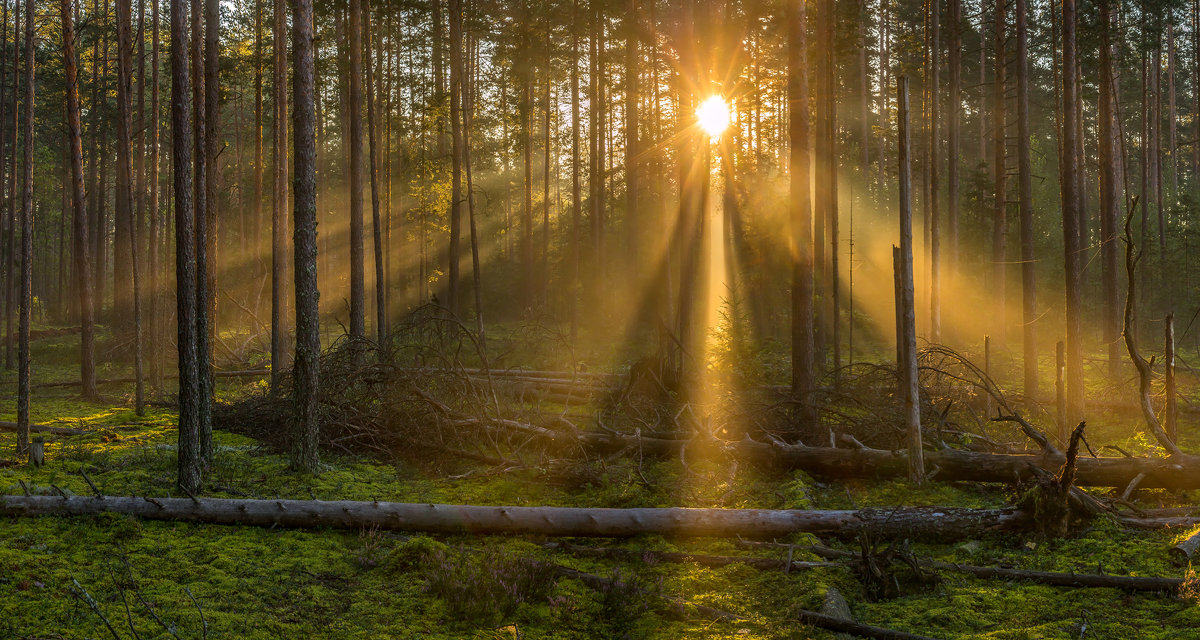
[(599, 319)]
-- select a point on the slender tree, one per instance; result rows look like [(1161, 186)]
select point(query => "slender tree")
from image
[(306, 372), (801, 212), (358, 292), (185, 256), (279, 194), (376, 223), (23, 362), (999, 170), (1110, 191), (1025, 203), (1070, 215), (81, 252)]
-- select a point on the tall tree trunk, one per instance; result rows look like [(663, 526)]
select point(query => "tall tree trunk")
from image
[(800, 216), (454, 302), (1110, 191), (200, 230), (10, 250), (157, 305), (23, 364), (212, 201), (632, 144), (933, 160), (954, 10), (185, 256), (279, 197), (1025, 198), (999, 173), (576, 189), (907, 339), (1070, 214), (376, 223), (256, 227), (358, 293), (306, 371), (124, 195), (468, 101), (81, 250)]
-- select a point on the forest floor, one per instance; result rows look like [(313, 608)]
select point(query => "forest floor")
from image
[(164, 579)]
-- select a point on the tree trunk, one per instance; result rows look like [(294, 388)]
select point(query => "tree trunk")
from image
[(932, 160), (633, 217), (954, 9), (925, 523), (26, 245), (999, 174), (1025, 203), (157, 326), (381, 328), (358, 295), (279, 329), (306, 369), (1070, 221), (800, 216), (185, 256), (907, 322), (1110, 191), (81, 250)]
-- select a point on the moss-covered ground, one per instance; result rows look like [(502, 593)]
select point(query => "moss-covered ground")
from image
[(179, 580)]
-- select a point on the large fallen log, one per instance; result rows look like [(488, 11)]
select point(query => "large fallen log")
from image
[(929, 523), (1175, 472)]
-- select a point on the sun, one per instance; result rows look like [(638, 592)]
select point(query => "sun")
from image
[(713, 116)]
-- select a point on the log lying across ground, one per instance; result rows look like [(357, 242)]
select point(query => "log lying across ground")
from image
[(1175, 472), (929, 523)]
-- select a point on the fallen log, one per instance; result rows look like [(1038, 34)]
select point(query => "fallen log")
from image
[(43, 428), (929, 523), (1183, 552), (1059, 579), (1175, 472)]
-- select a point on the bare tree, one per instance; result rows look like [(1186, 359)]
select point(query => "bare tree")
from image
[(358, 292), (1025, 203), (306, 371), (185, 256), (800, 199), (23, 363), (1070, 220), (81, 251)]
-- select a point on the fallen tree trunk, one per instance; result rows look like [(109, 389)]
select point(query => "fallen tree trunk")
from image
[(1176, 472), (43, 428), (1183, 552), (822, 621), (1126, 583), (929, 523)]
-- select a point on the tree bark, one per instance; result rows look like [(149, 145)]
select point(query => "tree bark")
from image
[(279, 329), (1025, 204), (800, 216), (925, 523), (23, 363), (81, 250), (306, 370), (1110, 191), (907, 321), (185, 257), (999, 173), (1070, 221), (381, 328), (358, 295)]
